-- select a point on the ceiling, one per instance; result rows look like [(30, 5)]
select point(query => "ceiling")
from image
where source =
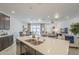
[(26, 11)]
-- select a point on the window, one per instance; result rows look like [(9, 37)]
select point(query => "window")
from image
[(35, 28)]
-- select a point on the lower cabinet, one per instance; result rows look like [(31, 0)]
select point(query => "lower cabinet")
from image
[(23, 49), (6, 42), (10, 40), (1, 44), (29, 50), (17, 47), (38, 53)]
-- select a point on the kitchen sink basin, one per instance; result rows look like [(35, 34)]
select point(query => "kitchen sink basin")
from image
[(34, 42)]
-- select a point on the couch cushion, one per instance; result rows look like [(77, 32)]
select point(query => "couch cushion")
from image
[(70, 38)]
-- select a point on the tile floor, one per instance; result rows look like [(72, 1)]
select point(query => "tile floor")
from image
[(10, 50)]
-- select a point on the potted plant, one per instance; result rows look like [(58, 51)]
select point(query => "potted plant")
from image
[(74, 28)]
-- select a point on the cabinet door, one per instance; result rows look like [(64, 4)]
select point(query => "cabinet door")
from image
[(5, 43), (38, 53), (1, 22), (7, 23), (1, 44), (18, 47), (4, 22), (10, 40), (32, 51), (28, 50)]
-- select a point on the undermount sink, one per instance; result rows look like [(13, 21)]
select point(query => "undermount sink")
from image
[(34, 42)]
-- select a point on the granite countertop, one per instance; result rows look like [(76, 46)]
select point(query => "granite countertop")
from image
[(50, 46), (5, 35)]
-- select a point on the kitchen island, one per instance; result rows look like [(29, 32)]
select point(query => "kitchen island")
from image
[(50, 46)]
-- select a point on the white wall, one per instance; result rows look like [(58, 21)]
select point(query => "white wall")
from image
[(61, 24), (49, 27), (67, 23), (15, 27)]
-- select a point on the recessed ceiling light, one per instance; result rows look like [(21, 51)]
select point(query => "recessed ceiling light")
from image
[(56, 16), (48, 16), (39, 20), (12, 12)]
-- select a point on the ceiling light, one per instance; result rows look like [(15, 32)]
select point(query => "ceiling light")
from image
[(39, 20), (56, 16), (12, 12), (48, 16)]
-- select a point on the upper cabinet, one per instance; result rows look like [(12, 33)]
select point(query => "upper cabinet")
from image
[(4, 22)]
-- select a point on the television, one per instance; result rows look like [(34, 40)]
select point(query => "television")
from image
[(64, 30)]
